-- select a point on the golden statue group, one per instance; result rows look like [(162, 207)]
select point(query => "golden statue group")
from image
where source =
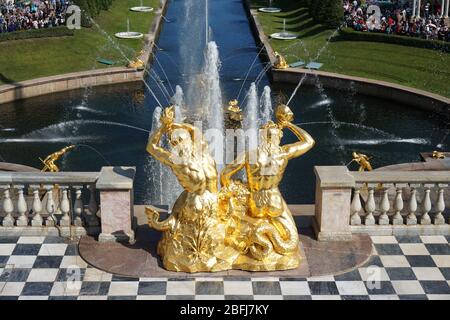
[(245, 225)]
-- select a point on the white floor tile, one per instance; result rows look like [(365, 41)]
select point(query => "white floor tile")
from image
[(66, 288), (394, 261), (384, 297), (11, 288), (151, 297), (267, 297), (125, 288), (423, 273), (52, 249), (6, 249), (33, 298), (42, 275), (441, 261), (383, 239), (73, 262), (21, 261), (180, 288), (31, 240), (433, 239), (297, 288), (209, 297), (351, 288), (93, 274), (414, 249), (407, 287), (326, 297), (237, 287)]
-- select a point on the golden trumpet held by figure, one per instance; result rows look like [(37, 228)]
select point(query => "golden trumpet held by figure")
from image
[(246, 225), (49, 161)]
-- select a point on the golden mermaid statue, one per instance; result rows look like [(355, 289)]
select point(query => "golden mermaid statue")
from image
[(261, 226), (192, 239)]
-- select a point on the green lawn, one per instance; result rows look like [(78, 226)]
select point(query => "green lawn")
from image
[(33, 58), (425, 69)]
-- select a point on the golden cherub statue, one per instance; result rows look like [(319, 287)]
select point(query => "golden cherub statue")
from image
[(235, 112), (281, 62), (49, 161), (362, 160), (246, 225), (438, 155)]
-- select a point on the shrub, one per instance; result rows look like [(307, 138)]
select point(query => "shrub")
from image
[(91, 8), (353, 35), (36, 33)]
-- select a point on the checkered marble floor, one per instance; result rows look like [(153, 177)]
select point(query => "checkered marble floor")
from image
[(49, 268)]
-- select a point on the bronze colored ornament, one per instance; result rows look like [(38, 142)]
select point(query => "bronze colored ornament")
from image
[(281, 62), (245, 225), (362, 160), (49, 161)]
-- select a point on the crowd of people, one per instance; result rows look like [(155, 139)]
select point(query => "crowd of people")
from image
[(31, 14), (397, 19)]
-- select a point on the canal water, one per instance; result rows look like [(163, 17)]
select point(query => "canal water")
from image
[(115, 120)]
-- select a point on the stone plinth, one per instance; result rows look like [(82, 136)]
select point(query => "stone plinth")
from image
[(116, 199), (333, 198)]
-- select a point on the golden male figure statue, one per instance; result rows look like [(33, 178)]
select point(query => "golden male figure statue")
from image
[(363, 161), (263, 230), (49, 161), (192, 238)]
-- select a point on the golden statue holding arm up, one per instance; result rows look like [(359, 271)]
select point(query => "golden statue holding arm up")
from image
[(245, 225), (362, 160), (49, 161)]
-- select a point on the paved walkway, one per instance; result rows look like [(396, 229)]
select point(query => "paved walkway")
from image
[(50, 268)]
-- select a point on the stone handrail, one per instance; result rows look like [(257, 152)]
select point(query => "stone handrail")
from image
[(38, 203), (379, 203)]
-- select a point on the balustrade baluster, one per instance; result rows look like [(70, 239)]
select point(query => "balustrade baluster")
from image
[(92, 209), (370, 208), (50, 208), (78, 207), (37, 208), (8, 207), (397, 219), (356, 207), (65, 209), (411, 219), (426, 206), (22, 208), (440, 206), (384, 207)]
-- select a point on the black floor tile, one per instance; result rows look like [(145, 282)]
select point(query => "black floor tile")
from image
[(15, 275), (209, 287), (237, 297), (37, 288), (435, 287), (438, 248), (152, 288), (47, 262), (408, 239), (349, 276), (388, 249), (413, 297), (420, 261), (401, 274), (94, 288), (26, 249), (323, 288)]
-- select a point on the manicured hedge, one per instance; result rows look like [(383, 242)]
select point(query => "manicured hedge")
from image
[(353, 35), (36, 33), (91, 8), (327, 12)]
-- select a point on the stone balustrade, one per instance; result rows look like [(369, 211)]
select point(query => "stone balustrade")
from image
[(380, 203), (66, 203)]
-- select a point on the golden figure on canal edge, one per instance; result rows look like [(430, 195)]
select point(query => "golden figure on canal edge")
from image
[(281, 62), (245, 225), (362, 160), (438, 155), (49, 161)]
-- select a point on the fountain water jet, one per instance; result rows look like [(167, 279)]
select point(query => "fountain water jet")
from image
[(266, 105)]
